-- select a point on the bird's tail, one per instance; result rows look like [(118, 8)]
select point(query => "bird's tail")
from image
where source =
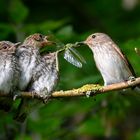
[(22, 111), (25, 107)]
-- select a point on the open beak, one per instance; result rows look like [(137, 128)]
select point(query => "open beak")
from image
[(48, 42), (17, 44)]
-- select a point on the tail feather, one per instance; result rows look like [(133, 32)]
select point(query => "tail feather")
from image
[(22, 111), (25, 107)]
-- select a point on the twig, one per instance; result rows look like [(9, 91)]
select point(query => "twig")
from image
[(93, 89)]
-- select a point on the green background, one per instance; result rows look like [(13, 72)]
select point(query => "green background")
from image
[(113, 116)]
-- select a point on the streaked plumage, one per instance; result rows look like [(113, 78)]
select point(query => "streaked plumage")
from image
[(9, 72), (44, 80), (39, 75)]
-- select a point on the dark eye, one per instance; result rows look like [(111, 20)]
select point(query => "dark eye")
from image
[(40, 36), (93, 36), (4, 47)]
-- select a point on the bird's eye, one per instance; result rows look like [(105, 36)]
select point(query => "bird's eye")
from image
[(93, 36), (4, 47), (41, 36)]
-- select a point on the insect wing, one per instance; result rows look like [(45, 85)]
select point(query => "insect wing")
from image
[(77, 55), (72, 59)]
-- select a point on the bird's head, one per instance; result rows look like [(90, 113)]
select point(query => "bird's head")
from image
[(97, 39), (6, 46), (37, 40)]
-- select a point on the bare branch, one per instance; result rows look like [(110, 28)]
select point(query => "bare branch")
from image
[(89, 89)]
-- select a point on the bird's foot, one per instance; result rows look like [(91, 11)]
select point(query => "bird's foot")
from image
[(33, 93), (132, 78), (88, 94), (45, 100), (42, 95), (16, 95)]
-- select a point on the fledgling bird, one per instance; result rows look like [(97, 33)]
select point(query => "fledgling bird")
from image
[(9, 72), (44, 80), (45, 75), (39, 73), (29, 57), (110, 61)]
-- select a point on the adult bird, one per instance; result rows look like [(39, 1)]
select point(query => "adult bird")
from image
[(110, 61)]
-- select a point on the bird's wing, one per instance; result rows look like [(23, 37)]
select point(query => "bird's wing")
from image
[(119, 51)]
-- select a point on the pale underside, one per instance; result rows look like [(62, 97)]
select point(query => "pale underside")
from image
[(111, 65), (8, 73)]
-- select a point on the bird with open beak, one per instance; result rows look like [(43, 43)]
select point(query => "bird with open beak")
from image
[(9, 72), (39, 74), (28, 56), (110, 61)]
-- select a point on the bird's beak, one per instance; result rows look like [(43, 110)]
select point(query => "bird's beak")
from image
[(48, 41), (88, 41), (78, 44), (17, 44)]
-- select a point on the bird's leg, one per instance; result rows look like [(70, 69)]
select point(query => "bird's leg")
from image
[(44, 95)]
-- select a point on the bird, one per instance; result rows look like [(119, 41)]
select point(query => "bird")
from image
[(44, 80), (41, 73), (28, 55), (110, 60), (45, 75), (9, 73)]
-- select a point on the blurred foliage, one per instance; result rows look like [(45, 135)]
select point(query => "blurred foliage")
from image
[(114, 116)]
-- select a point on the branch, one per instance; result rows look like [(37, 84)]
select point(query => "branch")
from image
[(86, 90), (96, 89)]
